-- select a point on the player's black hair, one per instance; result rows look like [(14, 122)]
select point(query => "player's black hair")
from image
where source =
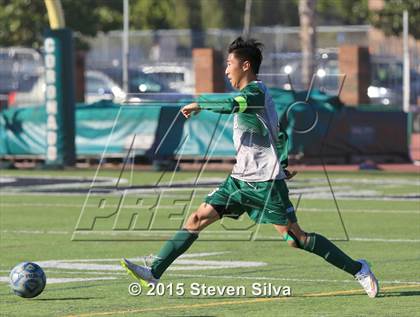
[(247, 50)]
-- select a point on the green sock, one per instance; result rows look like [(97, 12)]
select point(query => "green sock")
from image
[(172, 249), (323, 247)]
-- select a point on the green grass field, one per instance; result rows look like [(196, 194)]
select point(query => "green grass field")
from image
[(80, 253)]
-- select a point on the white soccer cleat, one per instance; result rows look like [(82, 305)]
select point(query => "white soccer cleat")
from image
[(367, 279), (141, 273)]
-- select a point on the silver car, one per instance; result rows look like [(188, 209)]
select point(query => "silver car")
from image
[(98, 86)]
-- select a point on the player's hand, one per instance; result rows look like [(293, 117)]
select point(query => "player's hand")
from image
[(192, 108), (290, 175)]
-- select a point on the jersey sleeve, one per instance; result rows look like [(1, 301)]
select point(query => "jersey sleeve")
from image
[(247, 101), (221, 103)]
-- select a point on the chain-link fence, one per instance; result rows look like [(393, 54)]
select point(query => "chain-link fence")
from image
[(152, 51), (161, 60)]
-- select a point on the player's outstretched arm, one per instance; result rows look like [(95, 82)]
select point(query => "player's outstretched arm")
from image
[(215, 103), (220, 102), (190, 109)]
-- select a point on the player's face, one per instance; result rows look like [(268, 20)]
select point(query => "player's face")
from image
[(234, 70)]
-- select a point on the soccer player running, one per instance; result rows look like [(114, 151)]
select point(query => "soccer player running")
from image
[(257, 183)]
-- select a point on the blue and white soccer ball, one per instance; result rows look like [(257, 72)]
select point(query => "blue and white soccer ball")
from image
[(27, 279)]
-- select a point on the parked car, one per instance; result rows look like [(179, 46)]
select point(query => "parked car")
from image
[(19, 69), (98, 86), (139, 82), (386, 75), (20, 60), (178, 78), (144, 88)]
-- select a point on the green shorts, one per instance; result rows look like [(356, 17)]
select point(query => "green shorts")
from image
[(265, 202)]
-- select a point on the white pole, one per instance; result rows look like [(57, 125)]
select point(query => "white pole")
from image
[(406, 65), (247, 19), (125, 55)]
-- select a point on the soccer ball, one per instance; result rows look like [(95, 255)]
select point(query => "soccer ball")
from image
[(27, 280)]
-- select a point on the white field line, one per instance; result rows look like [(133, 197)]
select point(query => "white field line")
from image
[(52, 232), (61, 280), (157, 234), (152, 193), (8, 179), (369, 181), (108, 268), (384, 240), (104, 181), (352, 239), (257, 278), (333, 210), (178, 265), (106, 184), (117, 275), (310, 180), (371, 211), (64, 272), (183, 256)]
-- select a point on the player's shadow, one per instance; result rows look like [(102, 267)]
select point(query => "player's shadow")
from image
[(400, 294), (191, 315), (226, 297), (380, 295), (67, 298)]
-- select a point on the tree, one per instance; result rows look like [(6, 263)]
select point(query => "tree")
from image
[(342, 12), (389, 19), (196, 23), (88, 17), (307, 38), (22, 22), (277, 12), (153, 14)]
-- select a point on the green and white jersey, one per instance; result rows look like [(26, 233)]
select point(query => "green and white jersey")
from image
[(255, 131)]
